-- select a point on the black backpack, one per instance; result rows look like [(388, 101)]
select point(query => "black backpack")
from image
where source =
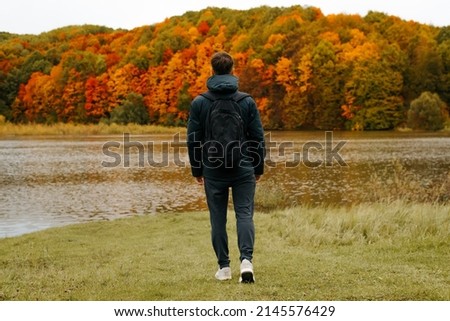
[(224, 130)]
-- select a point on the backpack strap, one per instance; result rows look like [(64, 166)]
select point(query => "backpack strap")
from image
[(209, 95), (239, 95)]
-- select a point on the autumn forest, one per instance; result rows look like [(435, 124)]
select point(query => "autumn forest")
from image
[(305, 70)]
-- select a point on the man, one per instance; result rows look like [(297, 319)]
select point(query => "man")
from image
[(218, 180)]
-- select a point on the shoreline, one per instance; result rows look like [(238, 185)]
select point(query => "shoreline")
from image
[(10, 130)]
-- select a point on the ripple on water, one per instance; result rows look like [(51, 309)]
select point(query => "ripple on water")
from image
[(45, 183)]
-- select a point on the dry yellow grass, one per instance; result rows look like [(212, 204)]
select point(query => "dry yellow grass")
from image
[(60, 129)]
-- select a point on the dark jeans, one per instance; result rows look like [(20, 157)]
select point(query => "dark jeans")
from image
[(243, 191)]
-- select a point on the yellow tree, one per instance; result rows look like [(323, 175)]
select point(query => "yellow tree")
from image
[(296, 110), (373, 87), (200, 71), (285, 75), (165, 99), (123, 81)]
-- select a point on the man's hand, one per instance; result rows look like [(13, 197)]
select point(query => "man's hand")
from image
[(257, 178), (199, 180)]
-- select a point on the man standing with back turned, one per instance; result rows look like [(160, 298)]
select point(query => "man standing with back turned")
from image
[(220, 168)]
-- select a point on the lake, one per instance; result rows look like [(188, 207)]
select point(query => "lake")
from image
[(55, 181)]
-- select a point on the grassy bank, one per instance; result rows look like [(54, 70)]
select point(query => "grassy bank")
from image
[(58, 129), (8, 129), (379, 251)]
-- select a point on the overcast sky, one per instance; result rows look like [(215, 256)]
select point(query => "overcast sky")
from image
[(36, 16)]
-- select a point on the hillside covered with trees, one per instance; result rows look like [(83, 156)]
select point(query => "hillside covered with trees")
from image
[(304, 69)]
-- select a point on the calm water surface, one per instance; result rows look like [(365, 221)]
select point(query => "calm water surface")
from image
[(46, 182)]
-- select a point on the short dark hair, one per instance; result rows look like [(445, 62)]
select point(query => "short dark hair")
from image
[(222, 63)]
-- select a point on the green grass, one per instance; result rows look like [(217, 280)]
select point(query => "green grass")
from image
[(379, 251), (9, 129)]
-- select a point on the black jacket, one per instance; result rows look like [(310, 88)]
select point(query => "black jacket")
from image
[(225, 85)]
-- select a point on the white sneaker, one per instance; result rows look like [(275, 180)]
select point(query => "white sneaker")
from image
[(223, 274), (247, 275)]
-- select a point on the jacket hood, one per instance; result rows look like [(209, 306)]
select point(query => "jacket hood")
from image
[(223, 83)]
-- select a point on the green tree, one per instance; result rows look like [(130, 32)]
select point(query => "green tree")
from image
[(85, 63), (184, 99), (444, 84), (425, 66), (375, 88), (132, 110), (326, 87), (427, 112)]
